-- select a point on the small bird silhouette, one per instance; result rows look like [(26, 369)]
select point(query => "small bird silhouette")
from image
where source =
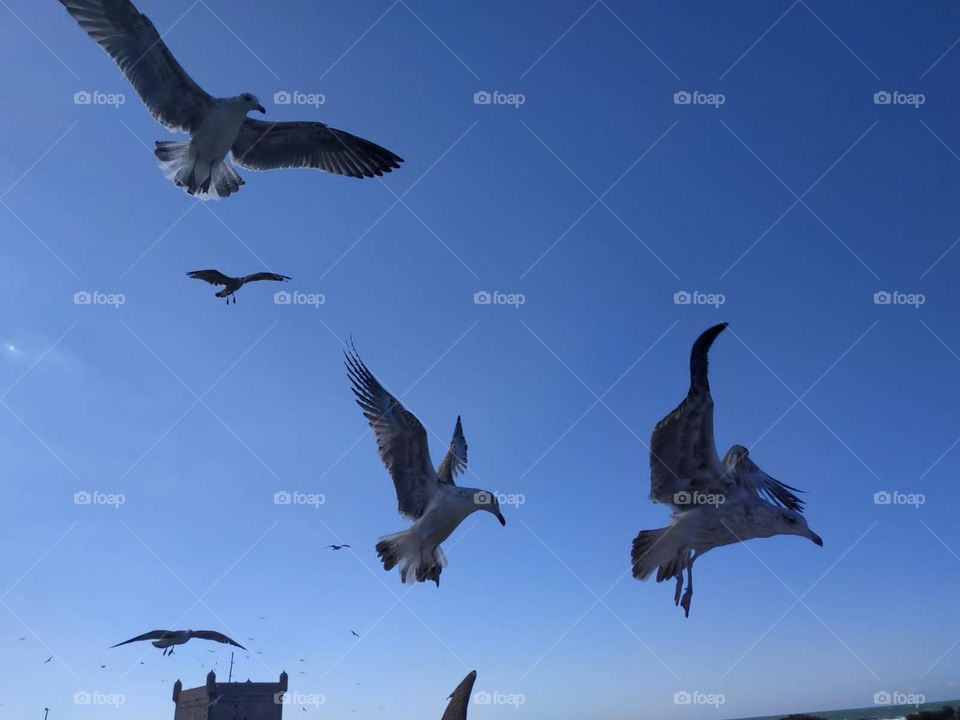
[(232, 284), (354, 633), (48, 660), (337, 547)]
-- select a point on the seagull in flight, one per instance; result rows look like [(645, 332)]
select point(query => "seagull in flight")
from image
[(232, 284), (217, 126), (460, 698), (47, 660), (355, 633), (337, 547), (425, 495), (714, 502), (167, 639)]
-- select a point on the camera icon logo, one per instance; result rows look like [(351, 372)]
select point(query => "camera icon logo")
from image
[(282, 498), (82, 498), (682, 297), (482, 698), (682, 97), (482, 97), (882, 497), (682, 498), (882, 298), (82, 698), (482, 298), (282, 97), (82, 297), (682, 698), (282, 297), (882, 698), (882, 98), (482, 498), (82, 97)]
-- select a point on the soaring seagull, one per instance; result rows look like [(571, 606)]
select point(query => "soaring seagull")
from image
[(715, 502), (460, 698), (232, 284), (427, 496), (166, 639), (217, 126)]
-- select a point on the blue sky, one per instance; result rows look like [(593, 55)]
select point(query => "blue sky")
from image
[(598, 199)]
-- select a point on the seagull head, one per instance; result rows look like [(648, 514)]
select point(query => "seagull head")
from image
[(250, 102), (790, 522), (486, 500)]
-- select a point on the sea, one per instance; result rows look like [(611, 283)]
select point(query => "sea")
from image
[(874, 712)]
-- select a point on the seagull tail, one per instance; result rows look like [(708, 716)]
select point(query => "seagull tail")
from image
[(417, 563), (180, 166), (652, 552)]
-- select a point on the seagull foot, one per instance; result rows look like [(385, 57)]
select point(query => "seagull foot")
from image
[(676, 593), (685, 602)]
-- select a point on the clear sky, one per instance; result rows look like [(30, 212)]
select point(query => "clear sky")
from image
[(598, 198)]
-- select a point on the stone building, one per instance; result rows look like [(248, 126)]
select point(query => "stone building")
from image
[(230, 701)]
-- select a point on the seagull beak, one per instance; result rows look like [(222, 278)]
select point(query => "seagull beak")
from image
[(816, 539), (261, 109), (502, 520)]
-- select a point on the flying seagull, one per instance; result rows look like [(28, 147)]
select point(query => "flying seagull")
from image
[(232, 284), (337, 547), (715, 502), (47, 660), (217, 126), (166, 639), (427, 496), (355, 633), (460, 698)]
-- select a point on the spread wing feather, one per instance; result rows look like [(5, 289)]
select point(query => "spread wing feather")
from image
[(214, 277), (455, 461)]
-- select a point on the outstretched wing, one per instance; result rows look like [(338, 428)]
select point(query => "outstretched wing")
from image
[(262, 145), (263, 276), (460, 698), (217, 637), (683, 457), (214, 277), (455, 461), (128, 36), (401, 439), (152, 635), (748, 476)]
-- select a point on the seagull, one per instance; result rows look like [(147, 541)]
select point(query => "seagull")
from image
[(232, 284), (460, 698), (715, 502), (427, 496), (217, 126), (47, 660), (337, 547), (166, 639), (355, 633)]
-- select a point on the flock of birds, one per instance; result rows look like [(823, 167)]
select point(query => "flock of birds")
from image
[(714, 501)]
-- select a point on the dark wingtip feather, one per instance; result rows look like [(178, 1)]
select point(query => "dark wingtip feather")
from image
[(698, 357)]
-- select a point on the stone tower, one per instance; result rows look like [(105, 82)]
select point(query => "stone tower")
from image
[(230, 701)]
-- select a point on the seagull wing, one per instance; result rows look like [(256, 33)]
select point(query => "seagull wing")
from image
[(749, 477), (214, 277), (401, 439), (262, 145), (218, 637), (128, 36), (152, 635), (455, 461), (683, 456), (460, 698), (263, 276)]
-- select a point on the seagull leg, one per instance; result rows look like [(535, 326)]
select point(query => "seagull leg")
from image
[(676, 593), (688, 595)]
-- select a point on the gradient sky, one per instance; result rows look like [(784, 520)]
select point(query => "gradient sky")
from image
[(598, 199)]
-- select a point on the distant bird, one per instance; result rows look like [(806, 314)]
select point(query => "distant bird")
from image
[(102, 667), (337, 547), (714, 502), (47, 660), (427, 496), (460, 698), (354, 633), (217, 126), (232, 284), (167, 639)]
